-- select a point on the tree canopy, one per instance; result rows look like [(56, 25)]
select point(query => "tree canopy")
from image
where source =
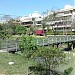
[(20, 29), (27, 46)]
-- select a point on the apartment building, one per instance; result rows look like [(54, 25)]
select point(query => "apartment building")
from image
[(34, 18), (58, 20), (63, 19)]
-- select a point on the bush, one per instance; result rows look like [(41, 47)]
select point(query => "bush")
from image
[(68, 71)]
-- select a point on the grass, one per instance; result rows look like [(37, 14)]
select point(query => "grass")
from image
[(20, 66)]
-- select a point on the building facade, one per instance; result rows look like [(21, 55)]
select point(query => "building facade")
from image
[(32, 19), (63, 19), (58, 20)]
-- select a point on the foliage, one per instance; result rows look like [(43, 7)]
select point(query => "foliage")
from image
[(33, 29), (52, 56), (49, 58), (73, 25), (68, 71), (44, 26), (33, 26), (27, 46), (47, 19), (37, 69), (6, 31), (20, 29), (46, 59)]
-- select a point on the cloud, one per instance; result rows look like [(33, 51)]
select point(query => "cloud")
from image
[(68, 6)]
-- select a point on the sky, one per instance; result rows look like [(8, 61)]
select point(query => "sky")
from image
[(25, 7)]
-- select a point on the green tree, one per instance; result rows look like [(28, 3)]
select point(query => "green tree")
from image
[(27, 46), (6, 31), (49, 58), (20, 29), (43, 27), (1, 28), (54, 19), (48, 19), (73, 25), (33, 26), (12, 25), (46, 59)]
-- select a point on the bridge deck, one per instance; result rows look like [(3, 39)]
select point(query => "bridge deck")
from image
[(13, 45), (55, 40)]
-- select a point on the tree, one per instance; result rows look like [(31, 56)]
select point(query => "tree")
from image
[(33, 26), (6, 31), (46, 59), (1, 28), (20, 29), (32, 29), (43, 27), (49, 58), (12, 25), (54, 19), (27, 46), (48, 19), (71, 11), (73, 26)]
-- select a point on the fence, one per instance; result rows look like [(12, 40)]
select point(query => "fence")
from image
[(9, 45), (14, 44)]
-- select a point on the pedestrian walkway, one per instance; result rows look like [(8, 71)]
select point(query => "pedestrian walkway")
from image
[(49, 40)]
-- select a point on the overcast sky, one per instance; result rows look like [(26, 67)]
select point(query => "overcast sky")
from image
[(25, 7)]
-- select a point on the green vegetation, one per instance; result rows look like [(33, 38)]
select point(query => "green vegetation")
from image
[(68, 71), (20, 66), (49, 59), (9, 29), (20, 30), (39, 60), (27, 46), (46, 59)]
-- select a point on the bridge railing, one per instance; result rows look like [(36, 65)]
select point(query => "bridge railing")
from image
[(55, 39), (9, 45), (14, 44)]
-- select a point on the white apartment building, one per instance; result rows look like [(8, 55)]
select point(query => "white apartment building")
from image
[(63, 19), (34, 18)]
